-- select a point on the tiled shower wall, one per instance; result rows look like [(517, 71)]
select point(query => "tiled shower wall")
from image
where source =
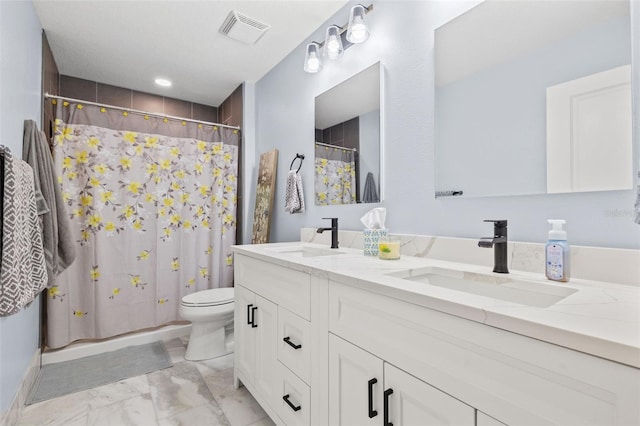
[(230, 111), (93, 91), (50, 78)]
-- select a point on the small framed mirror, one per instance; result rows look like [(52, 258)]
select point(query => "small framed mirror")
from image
[(348, 140)]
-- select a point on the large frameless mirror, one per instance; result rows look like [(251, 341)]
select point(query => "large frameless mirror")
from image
[(348, 140), (534, 97)]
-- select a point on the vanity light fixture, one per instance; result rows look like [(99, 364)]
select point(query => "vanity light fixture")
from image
[(338, 39), (312, 62), (163, 82), (357, 32), (333, 42)]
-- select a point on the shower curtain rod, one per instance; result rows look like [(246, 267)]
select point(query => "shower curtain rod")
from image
[(137, 111), (336, 147)]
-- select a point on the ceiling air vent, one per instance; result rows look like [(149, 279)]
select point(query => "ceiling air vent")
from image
[(242, 28)]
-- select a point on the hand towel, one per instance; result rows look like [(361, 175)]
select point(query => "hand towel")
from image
[(294, 197), (59, 248), (23, 273), (370, 193)]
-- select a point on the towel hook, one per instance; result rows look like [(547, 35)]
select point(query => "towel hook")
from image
[(301, 157)]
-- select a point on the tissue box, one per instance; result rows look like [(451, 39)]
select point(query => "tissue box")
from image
[(371, 239)]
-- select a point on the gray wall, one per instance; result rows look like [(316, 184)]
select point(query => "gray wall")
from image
[(20, 79), (402, 39)]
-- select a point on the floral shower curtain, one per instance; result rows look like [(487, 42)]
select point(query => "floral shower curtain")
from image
[(335, 175), (152, 203)]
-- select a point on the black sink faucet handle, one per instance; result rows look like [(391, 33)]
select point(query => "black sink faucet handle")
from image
[(499, 228)]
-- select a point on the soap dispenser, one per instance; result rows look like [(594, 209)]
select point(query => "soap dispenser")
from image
[(557, 252)]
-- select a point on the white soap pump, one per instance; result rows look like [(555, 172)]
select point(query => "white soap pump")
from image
[(557, 252)]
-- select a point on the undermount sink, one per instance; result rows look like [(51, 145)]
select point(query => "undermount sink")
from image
[(497, 287), (304, 251)]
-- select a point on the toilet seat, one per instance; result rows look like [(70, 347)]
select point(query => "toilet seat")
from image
[(212, 297)]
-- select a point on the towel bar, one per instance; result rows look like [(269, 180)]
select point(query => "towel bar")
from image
[(301, 157)]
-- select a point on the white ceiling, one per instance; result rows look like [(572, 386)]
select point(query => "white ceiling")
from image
[(130, 43)]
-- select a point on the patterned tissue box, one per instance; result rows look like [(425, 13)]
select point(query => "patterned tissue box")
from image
[(371, 239)]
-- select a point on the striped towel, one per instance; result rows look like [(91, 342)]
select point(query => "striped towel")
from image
[(294, 197)]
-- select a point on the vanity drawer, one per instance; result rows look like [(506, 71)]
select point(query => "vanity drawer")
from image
[(295, 410), (285, 287), (293, 343)]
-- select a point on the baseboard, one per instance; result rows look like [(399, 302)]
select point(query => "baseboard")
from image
[(11, 416)]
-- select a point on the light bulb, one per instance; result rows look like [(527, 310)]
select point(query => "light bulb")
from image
[(333, 46), (333, 43), (312, 63), (359, 33)]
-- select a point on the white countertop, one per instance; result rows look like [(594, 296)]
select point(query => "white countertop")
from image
[(600, 319)]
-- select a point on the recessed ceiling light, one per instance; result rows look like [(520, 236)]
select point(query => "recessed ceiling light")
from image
[(163, 82)]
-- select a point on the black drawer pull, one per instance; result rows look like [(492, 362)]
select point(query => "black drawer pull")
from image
[(372, 412), (293, 407), (249, 322), (387, 394), (288, 341), (253, 317)]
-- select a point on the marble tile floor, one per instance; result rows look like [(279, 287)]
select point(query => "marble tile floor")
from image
[(189, 393)]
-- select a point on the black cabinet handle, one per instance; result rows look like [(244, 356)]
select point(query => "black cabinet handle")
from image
[(253, 317), (293, 407), (249, 321), (372, 412), (288, 341), (387, 394)]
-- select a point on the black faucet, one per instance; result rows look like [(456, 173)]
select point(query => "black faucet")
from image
[(333, 229), (499, 244)]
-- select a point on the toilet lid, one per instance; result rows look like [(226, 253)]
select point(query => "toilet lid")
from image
[(213, 297)]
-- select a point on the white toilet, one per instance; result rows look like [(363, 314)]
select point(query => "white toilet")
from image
[(211, 316)]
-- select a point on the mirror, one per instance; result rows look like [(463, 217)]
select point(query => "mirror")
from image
[(348, 141), (534, 97)]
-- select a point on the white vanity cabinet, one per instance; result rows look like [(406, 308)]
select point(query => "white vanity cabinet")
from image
[(273, 345), (512, 378), (365, 390), (317, 351)]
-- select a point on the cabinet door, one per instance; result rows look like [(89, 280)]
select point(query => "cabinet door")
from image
[(414, 402), (266, 341), (244, 336), (355, 385)]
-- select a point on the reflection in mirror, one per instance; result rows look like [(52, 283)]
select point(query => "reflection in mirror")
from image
[(348, 140), (534, 97)]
